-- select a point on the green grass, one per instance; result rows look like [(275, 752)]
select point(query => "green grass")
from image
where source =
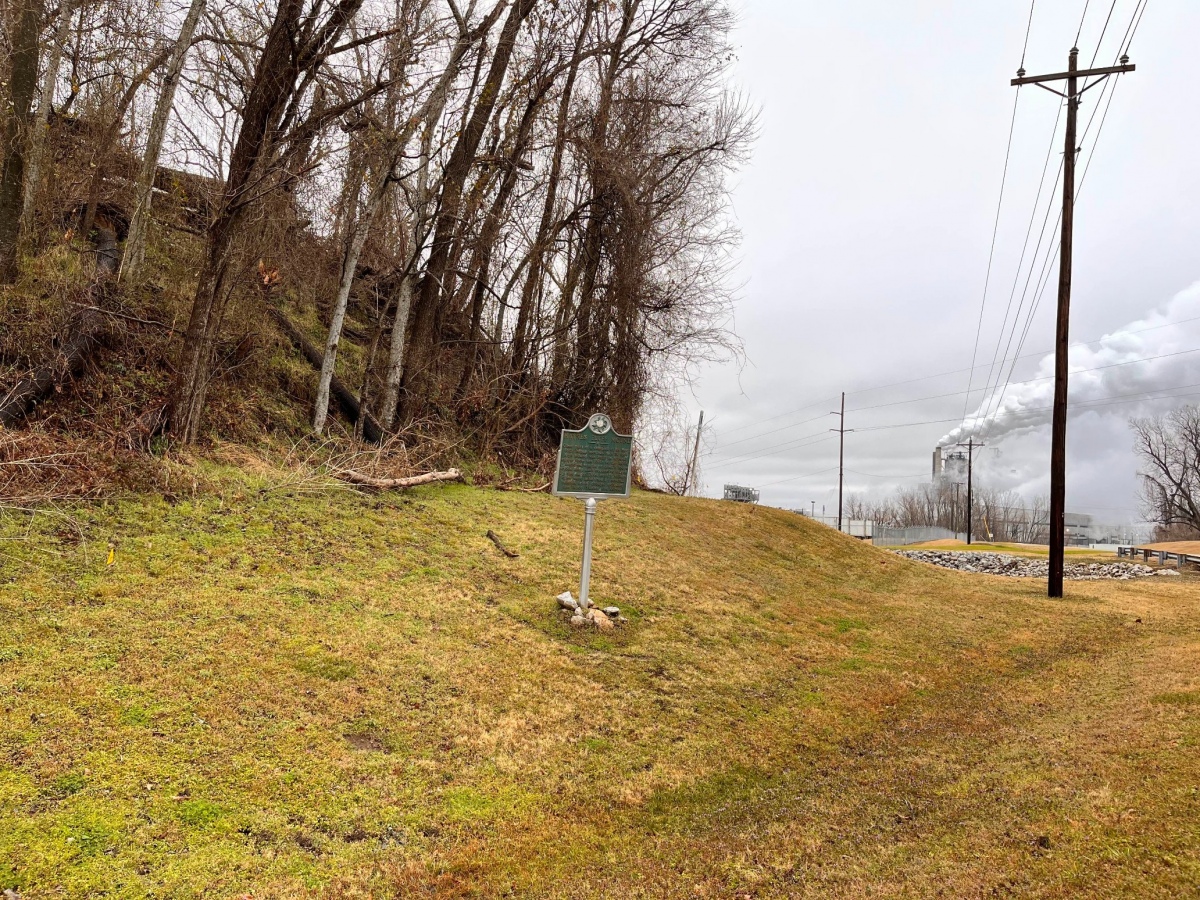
[(292, 693)]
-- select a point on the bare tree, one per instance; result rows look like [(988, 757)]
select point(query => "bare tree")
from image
[(391, 149), (1168, 446), (298, 42), (41, 126), (135, 246)]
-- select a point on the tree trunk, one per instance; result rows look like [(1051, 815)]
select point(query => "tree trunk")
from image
[(544, 238), (344, 396), (41, 126), (21, 87), (399, 483), (86, 331), (590, 323), (135, 243), (359, 227), (274, 80), (417, 235), (491, 232), (101, 150), (422, 339)]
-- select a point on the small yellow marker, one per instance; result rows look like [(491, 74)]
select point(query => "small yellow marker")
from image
[(112, 554)]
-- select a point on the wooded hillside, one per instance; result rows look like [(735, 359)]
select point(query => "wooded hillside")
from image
[(493, 216)]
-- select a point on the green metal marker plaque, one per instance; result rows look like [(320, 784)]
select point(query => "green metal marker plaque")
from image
[(593, 461)]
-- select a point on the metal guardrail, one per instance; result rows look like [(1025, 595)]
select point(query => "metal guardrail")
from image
[(1162, 556)]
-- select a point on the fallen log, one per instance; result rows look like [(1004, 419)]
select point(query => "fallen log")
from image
[(384, 484), (86, 332), (344, 396)]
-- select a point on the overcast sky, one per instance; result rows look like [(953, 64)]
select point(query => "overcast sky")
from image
[(867, 213)]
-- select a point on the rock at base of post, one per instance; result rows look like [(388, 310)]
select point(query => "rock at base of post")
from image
[(605, 619)]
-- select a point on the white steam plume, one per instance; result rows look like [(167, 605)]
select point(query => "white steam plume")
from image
[(1109, 369)]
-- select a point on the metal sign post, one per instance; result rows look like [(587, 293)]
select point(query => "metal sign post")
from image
[(594, 463), (585, 571)]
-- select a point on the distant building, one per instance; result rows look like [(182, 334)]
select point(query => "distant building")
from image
[(950, 466), (1078, 529), (740, 494)]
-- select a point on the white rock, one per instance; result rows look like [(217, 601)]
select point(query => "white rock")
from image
[(566, 601), (1019, 567)]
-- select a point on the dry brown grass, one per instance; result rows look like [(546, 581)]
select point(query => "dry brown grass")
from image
[(1175, 546), (338, 695)]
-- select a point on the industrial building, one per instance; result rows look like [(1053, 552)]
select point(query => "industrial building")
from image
[(741, 494)]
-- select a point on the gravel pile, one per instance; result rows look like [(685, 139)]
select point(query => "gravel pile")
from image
[(1021, 567)]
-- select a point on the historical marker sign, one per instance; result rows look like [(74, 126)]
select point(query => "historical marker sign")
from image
[(593, 461), (593, 464)]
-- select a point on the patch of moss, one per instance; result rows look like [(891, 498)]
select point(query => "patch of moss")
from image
[(199, 813)]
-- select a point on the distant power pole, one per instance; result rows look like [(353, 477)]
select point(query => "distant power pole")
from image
[(1058, 441), (841, 430), (970, 445), (695, 457), (954, 511)]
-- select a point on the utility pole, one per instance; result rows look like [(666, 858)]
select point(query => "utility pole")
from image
[(841, 430), (970, 445), (691, 479), (1058, 440)]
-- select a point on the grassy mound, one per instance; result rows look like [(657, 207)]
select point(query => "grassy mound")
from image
[(269, 691)]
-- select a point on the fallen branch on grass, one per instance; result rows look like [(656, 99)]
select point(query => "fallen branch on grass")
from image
[(384, 484), (495, 539)]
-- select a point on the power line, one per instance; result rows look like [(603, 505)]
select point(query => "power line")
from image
[(776, 430), (1103, 31), (1127, 41), (872, 475), (792, 412), (763, 451), (891, 384), (995, 230), (1028, 27), (1135, 22), (1127, 362), (1137, 396), (1116, 399), (1079, 31), (997, 397), (996, 355), (799, 477), (993, 417)]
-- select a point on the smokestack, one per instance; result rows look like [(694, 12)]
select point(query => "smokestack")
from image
[(937, 462)]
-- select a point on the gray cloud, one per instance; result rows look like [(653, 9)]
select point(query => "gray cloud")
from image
[(867, 212)]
